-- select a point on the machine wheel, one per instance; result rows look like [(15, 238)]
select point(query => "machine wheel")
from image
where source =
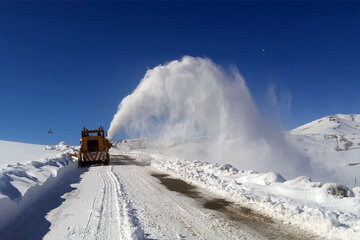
[(81, 163), (107, 159)]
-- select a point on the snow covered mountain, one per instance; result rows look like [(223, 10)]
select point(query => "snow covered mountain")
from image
[(336, 132), (331, 143), (340, 124)]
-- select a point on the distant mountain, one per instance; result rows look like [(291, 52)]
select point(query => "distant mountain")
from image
[(333, 143), (341, 131), (339, 124)]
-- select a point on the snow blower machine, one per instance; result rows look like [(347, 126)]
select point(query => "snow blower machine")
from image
[(94, 147)]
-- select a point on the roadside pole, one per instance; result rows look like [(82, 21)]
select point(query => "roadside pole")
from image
[(352, 165)]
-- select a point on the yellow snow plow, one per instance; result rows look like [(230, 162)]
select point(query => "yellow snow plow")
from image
[(94, 147)]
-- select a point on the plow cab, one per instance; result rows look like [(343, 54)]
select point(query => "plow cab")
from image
[(94, 147)]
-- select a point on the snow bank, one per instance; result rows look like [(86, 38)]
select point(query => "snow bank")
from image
[(328, 210), (15, 152), (22, 184)]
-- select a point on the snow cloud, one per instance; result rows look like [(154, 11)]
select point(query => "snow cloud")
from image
[(193, 98)]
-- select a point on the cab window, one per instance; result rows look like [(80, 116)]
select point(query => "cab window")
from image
[(96, 134)]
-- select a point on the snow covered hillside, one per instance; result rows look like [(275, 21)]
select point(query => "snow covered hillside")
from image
[(15, 152), (331, 143), (339, 124)]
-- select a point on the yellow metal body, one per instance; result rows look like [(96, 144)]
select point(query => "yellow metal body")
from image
[(94, 146)]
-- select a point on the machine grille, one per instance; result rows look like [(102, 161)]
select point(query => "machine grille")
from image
[(93, 145)]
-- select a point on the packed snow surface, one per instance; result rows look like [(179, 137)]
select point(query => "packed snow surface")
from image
[(124, 201), (330, 210)]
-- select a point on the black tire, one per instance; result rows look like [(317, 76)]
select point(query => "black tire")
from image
[(80, 163), (107, 159)]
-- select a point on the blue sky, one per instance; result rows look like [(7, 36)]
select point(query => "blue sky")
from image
[(65, 65)]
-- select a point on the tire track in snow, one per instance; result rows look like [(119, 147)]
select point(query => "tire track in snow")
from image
[(99, 208), (103, 203), (179, 209), (110, 224), (166, 215), (128, 212), (87, 227), (122, 223), (129, 203)]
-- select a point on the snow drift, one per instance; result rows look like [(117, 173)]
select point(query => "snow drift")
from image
[(196, 100), (23, 184)]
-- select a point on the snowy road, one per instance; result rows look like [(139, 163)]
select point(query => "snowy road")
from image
[(128, 200)]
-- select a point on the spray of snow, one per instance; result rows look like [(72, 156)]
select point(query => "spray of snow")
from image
[(193, 98)]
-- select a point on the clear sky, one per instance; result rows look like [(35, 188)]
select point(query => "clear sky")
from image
[(65, 65)]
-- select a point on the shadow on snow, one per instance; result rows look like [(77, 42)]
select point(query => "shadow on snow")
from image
[(31, 223)]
